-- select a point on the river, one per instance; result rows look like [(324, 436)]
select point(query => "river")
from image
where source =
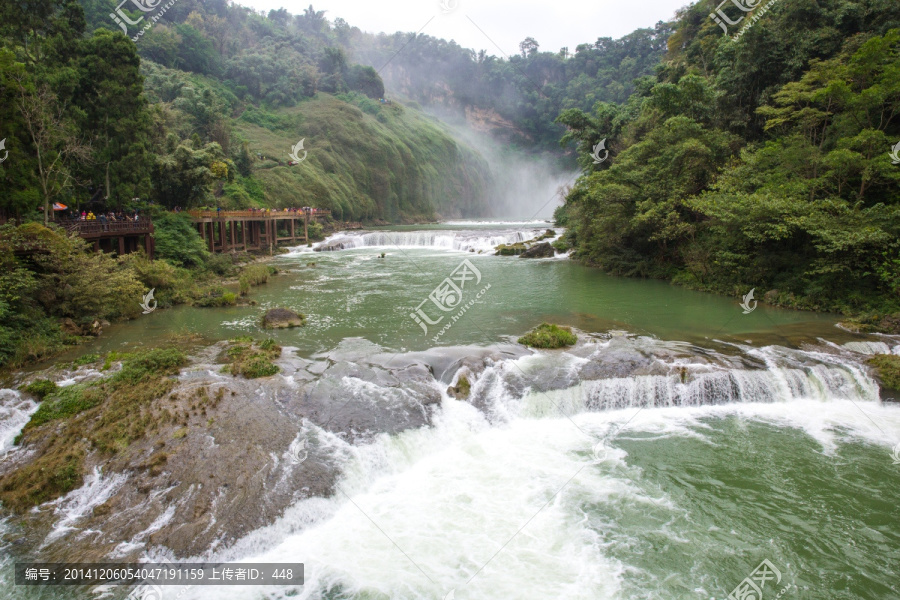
[(682, 442)]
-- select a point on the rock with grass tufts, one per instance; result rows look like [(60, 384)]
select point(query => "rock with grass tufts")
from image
[(542, 250), (277, 318), (549, 336)]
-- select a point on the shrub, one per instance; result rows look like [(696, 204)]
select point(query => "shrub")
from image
[(41, 388), (156, 362), (252, 362), (220, 264), (177, 240), (214, 297), (888, 367), (86, 359), (62, 404), (561, 246), (316, 231), (546, 335)]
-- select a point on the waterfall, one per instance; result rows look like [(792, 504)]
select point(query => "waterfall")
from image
[(465, 241)]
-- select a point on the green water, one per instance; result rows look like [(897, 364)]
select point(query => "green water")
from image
[(781, 451), (355, 293)]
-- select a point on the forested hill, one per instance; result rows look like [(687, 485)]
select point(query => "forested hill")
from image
[(755, 161), (202, 105), (519, 96)]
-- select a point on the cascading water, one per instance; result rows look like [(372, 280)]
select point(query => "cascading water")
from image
[(626, 467), (427, 516), (462, 240)]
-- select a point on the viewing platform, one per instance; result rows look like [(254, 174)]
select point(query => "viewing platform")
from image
[(115, 236), (231, 230)]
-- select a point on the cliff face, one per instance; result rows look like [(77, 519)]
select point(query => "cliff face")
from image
[(440, 97)]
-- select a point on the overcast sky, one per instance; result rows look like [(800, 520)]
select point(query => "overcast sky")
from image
[(503, 23)]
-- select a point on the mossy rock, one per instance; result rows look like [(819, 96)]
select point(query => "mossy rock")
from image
[(462, 389), (545, 236), (888, 368), (549, 336), (278, 318), (40, 388), (511, 249), (542, 250), (253, 360)]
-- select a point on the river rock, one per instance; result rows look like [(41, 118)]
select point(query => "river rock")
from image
[(70, 327), (542, 250), (277, 318)]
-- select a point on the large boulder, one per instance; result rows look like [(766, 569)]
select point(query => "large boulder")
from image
[(70, 327), (542, 250), (277, 318)]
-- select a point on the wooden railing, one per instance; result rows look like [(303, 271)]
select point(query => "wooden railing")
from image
[(94, 227), (256, 214)]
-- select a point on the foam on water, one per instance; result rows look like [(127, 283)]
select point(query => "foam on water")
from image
[(15, 411), (516, 483), (96, 490), (869, 347), (462, 240)]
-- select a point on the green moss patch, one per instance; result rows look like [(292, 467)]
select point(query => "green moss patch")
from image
[(888, 367), (547, 335), (40, 388), (511, 249), (104, 416), (253, 360)]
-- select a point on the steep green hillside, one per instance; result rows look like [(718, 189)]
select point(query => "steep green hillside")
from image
[(760, 162), (365, 161), (202, 107)]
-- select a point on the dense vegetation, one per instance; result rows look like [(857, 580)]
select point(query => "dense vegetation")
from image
[(54, 292), (760, 162), (203, 108)]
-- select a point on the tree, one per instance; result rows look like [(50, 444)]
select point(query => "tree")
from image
[(54, 139), (365, 80), (528, 47), (112, 108)]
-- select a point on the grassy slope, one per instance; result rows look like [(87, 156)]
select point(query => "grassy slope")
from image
[(397, 164), (365, 160)]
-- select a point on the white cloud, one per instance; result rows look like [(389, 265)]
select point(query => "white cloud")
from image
[(553, 24)]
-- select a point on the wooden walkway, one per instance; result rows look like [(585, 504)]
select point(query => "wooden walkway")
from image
[(231, 230), (115, 236)]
